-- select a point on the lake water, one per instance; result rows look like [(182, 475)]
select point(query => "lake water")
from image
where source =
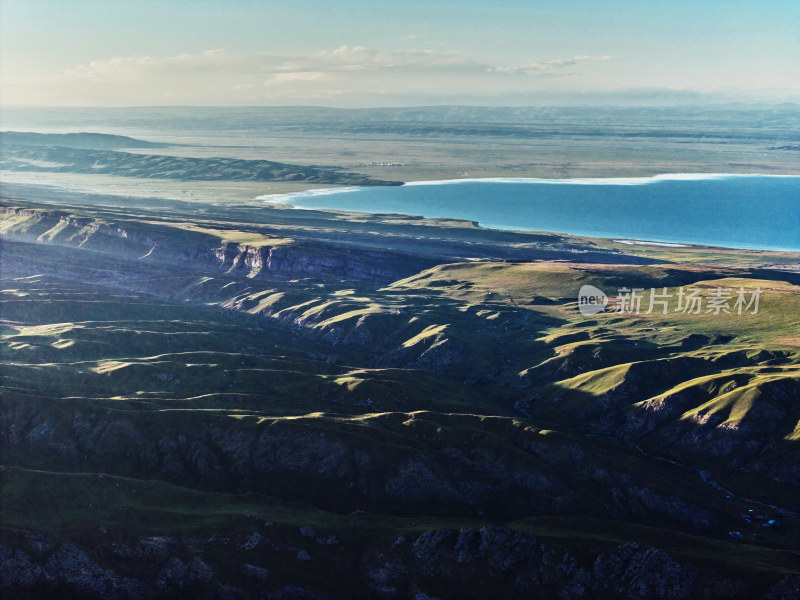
[(738, 211)]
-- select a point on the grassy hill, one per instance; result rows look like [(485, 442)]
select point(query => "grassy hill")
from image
[(229, 398)]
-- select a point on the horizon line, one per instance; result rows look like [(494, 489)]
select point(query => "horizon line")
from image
[(433, 105)]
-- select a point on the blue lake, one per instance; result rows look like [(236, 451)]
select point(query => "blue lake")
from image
[(738, 211)]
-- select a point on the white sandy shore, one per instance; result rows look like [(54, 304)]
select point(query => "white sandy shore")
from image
[(602, 180)]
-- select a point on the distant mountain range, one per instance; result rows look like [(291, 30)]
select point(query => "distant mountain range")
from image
[(91, 141)]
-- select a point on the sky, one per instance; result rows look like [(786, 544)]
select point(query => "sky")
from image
[(352, 53)]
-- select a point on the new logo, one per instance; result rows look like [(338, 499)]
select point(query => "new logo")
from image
[(591, 300)]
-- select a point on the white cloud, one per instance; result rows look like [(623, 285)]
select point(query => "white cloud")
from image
[(549, 65), (134, 68), (361, 58), (221, 77), (298, 76)]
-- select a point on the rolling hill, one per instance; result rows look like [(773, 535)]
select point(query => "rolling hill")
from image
[(229, 400)]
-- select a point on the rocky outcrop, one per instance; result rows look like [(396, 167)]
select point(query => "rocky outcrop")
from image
[(504, 563), (786, 589), (212, 567), (68, 572), (54, 227), (638, 574), (468, 563), (19, 574), (293, 261)]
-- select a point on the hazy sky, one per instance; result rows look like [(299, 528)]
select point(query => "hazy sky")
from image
[(370, 53)]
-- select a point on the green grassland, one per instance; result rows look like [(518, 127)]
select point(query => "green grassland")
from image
[(197, 375)]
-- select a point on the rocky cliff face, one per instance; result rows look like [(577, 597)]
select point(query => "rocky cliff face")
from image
[(180, 248), (297, 261), (53, 227), (437, 564)]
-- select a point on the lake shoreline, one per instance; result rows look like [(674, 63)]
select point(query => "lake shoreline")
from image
[(700, 209)]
